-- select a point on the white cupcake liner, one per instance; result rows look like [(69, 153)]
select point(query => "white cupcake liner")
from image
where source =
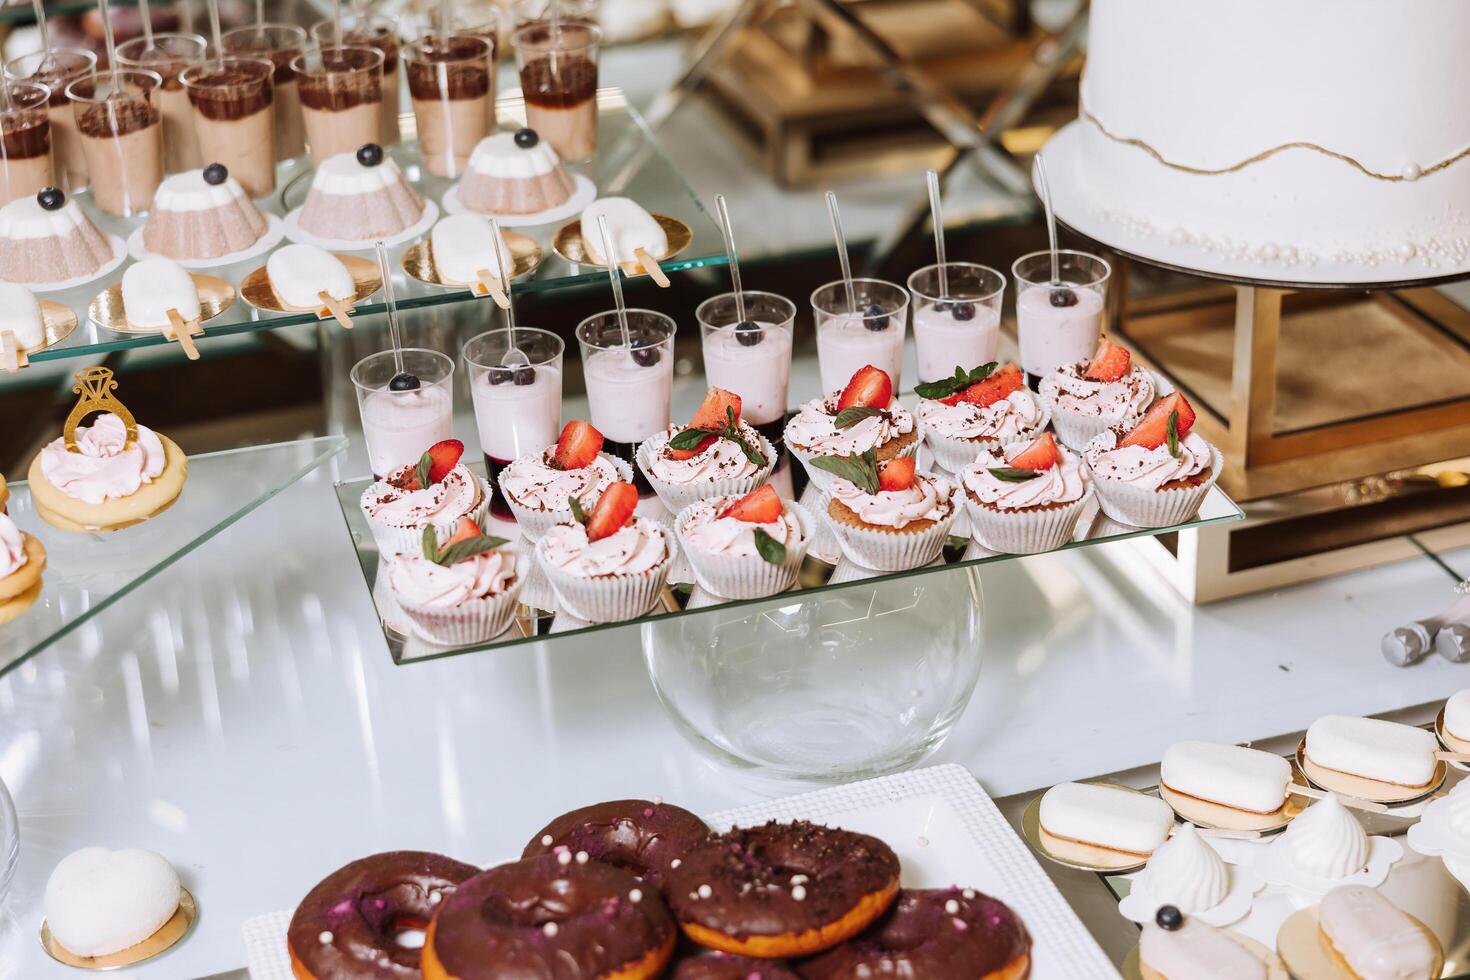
[(468, 623), (821, 479), (609, 598), (1076, 431), (953, 453), (752, 577), (1143, 507), (534, 523), (1027, 532), (892, 551), (410, 540), (677, 496)]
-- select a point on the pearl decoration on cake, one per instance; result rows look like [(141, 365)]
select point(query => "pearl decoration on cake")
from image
[(1411, 171)]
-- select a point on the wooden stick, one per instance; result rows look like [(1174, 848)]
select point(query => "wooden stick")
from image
[(1452, 756), (650, 265), (1313, 793), (183, 332), (12, 358), (340, 311), (1229, 834), (491, 284)]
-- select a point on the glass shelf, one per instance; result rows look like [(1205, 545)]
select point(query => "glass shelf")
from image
[(629, 163), (818, 574), (86, 573)]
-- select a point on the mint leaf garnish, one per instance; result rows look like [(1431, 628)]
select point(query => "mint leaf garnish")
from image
[(1012, 474), (425, 467), (690, 437), (578, 514), (860, 471), (962, 379), (1174, 434), (430, 542), (467, 549), (849, 417), (769, 548)]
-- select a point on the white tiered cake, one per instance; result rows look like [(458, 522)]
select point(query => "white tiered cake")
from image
[(1281, 136)]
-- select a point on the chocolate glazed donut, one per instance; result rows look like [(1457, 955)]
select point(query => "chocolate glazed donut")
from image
[(714, 965), (347, 926), (782, 890), (937, 932), (550, 918), (641, 837)]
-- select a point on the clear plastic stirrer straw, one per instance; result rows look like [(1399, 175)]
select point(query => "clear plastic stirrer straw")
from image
[(514, 357), (147, 19), (841, 240), (614, 275), (390, 305), (219, 45), (724, 216), (1039, 166), (936, 213)]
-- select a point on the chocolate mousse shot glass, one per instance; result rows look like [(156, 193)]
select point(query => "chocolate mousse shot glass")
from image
[(558, 66), (341, 99), (122, 136), (280, 44), (370, 32), (451, 82), (56, 69), (169, 56), (25, 142), (232, 99)]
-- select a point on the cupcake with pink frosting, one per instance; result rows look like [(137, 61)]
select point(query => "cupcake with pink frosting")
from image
[(435, 492), (886, 516), (1088, 397), (608, 565), (1156, 473), (976, 410), (1026, 497), (539, 487), (22, 559), (745, 547), (716, 454), (864, 416), (458, 591)]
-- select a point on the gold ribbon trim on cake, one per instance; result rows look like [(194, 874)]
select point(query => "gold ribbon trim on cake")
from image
[(1412, 172), (95, 385)]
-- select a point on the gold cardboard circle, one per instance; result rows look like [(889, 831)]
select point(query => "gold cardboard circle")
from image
[(1450, 742), (57, 324), (1305, 951), (106, 309), (568, 243), (167, 936), (1133, 968), (525, 254), (1367, 789), (1068, 854), (1215, 816), (257, 290)]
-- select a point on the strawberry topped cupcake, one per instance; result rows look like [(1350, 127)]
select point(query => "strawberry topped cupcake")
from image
[(435, 492), (863, 416), (1026, 497), (539, 487), (977, 409), (460, 591), (1156, 473), (885, 515), (716, 454), (608, 565), (745, 547), (1089, 396)]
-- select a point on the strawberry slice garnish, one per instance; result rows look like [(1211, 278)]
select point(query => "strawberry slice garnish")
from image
[(896, 474), (444, 456), (614, 509), (465, 530), (870, 387), (714, 415), (1152, 431), (577, 447), (1001, 383), (1040, 454), (761, 506), (1110, 362)]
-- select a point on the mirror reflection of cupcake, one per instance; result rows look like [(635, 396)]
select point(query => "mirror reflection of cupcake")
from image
[(458, 591)]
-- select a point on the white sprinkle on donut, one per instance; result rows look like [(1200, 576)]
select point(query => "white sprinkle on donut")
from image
[(675, 863), (550, 929), (799, 879), (565, 857), (546, 840), (798, 892), (635, 896), (705, 891), (325, 938), (968, 893), (952, 907)]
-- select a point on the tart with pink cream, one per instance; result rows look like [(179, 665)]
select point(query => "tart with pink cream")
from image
[(435, 492), (539, 487), (886, 516), (1026, 497), (459, 591), (1157, 473), (1087, 397), (863, 416), (609, 565), (108, 475), (717, 454), (976, 410), (22, 560), (745, 547)]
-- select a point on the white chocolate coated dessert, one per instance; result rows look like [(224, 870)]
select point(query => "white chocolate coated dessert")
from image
[(20, 314), (152, 287), (299, 272), (462, 245), (499, 155), (1457, 716), (631, 228), (1230, 775), (100, 901), (1384, 751), (1196, 951), (1375, 938), (1106, 816)]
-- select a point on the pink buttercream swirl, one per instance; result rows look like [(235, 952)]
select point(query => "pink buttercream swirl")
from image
[(929, 499), (103, 469), (419, 581), (1063, 483), (12, 547), (1116, 401), (706, 530), (452, 497), (723, 460), (1016, 416), (533, 483), (631, 550), (1151, 468), (814, 428)]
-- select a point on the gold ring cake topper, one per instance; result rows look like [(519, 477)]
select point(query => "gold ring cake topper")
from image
[(95, 386)]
